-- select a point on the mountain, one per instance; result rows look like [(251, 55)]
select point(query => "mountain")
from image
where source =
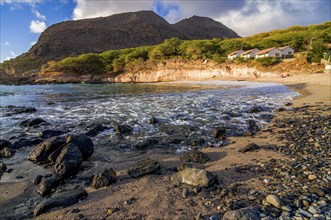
[(203, 28), (121, 31)]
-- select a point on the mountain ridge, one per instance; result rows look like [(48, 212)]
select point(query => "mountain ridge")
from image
[(118, 31)]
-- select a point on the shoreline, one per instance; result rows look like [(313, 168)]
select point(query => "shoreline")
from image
[(165, 201)]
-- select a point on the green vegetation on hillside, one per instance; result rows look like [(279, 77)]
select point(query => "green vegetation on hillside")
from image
[(311, 38)]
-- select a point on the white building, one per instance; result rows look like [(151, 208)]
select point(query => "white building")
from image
[(288, 52), (270, 52), (235, 54), (249, 54)]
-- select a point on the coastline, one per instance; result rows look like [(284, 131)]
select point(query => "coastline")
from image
[(155, 197)]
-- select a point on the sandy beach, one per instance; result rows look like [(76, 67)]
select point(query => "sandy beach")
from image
[(243, 181)]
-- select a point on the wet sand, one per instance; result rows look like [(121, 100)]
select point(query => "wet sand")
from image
[(154, 196)]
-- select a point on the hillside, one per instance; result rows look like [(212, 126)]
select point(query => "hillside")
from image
[(122, 31), (310, 40)]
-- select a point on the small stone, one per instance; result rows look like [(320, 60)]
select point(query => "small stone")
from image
[(46, 185), (304, 213), (298, 203), (267, 181), (249, 147), (37, 180), (129, 201), (218, 132), (274, 200), (123, 129), (305, 203), (314, 210), (312, 177), (193, 177), (316, 191), (6, 152), (104, 178), (286, 208), (185, 193), (195, 156), (144, 167), (215, 217)]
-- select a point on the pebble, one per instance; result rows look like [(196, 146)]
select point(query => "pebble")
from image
[(304, 213), (286, 208), (185, 193), (312, 177), (274, 200), (314, 210)]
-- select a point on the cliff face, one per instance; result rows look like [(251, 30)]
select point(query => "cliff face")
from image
[(121, 31), (171, 70)]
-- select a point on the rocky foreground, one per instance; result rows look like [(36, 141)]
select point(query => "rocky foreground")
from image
[(295, 185)]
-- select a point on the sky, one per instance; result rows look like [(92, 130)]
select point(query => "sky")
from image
[(22, 21)]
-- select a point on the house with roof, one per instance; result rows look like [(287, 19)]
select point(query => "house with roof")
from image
[(249, 54), (235, 54), (287, 51), (270, 52)]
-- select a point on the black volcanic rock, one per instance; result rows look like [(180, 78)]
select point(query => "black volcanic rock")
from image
[(121, 31)]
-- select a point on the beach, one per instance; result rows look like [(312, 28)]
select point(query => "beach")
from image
[(245, 179)]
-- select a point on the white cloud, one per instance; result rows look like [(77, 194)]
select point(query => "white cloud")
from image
[(6, 43), (246, 17), (261, 16), (37, 26), (92, 9), (33, 43), (38, 14)]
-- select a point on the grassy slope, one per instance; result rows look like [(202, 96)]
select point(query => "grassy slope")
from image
[(301, 38)]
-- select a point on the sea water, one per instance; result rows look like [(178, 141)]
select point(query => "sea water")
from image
[(185, 111)]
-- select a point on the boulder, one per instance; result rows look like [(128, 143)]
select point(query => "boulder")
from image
[(144, 167), (53, 156), (249, 147), (146, 144), (5, 143), (51, 133), (193, 177), (32, 122), (123, 129), (153, 120), (195, 156), (84, 143), (218, 132), (63, 199), (245, 213), (23, 142), (42, 151), (68, 162), (48, 184), (255, 109), (95, 130), (6, 152), (252, 128), (104, 178), (3, 167), (15, 110)]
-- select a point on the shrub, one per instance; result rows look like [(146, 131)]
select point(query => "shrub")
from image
[(317, 51), (266, 61)]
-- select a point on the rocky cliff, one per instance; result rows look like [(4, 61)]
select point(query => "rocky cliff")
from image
[(121, 31)]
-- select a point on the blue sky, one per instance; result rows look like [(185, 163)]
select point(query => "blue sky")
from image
[(22, 21)]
